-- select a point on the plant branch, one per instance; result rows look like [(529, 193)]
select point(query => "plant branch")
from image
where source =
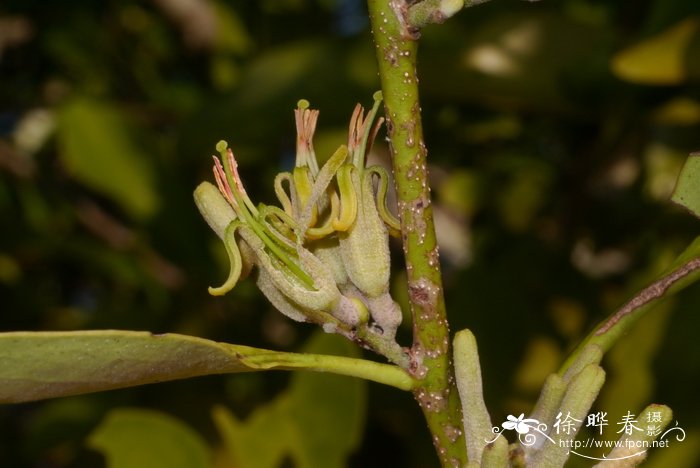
[(684, 271), (435, 392)]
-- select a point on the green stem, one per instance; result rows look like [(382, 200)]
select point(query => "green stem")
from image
[(435, 390), (684, 272), (369, 370)]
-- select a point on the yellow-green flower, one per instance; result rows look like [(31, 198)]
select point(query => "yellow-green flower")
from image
[(296, 281)]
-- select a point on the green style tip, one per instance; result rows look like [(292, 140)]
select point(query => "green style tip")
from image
[(303, 104), (221, 147)]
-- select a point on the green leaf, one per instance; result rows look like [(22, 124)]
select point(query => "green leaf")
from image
[(262, 441), (687, 191), (658, 60), (318, 421), (37, 365), (98, 150), (328, 412), (148, 439)]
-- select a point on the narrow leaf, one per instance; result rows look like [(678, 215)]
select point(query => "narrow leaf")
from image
[(37, 365)]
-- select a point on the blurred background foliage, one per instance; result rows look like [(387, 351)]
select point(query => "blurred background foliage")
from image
[(555, 129)]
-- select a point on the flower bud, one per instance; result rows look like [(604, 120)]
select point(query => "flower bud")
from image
[(364, 246), (364, 249), (214, 208)]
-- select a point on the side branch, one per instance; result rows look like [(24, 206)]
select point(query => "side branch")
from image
[(684, 271)]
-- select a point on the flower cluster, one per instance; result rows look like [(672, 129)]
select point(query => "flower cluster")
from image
[(323, 256)]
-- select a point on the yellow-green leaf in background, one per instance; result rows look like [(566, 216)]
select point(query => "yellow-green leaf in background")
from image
[(130, 438), (99, 151), (317, 422), (328, 411), (231, 32), (658, 60), (687, 191), (681, 111)]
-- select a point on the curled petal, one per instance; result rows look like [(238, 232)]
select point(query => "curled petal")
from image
[(316, 233), (234, 257), (304, 187), (323, 180), (392, 223), (288, 201), (360, 131), (347, 211)]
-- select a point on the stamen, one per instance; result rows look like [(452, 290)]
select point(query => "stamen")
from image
[(222, 183), (355, 128), (305, 120), (373, 134), (234, 170)]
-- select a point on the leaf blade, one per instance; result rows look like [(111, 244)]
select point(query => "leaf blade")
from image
[(687, 191), (98, 149), (130, 437), (38, 365)]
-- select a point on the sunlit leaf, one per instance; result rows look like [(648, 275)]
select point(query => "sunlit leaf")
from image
[(658, 60), (680, 111), (460, 192), (318, 421), (231, 33), (98, 150), (687, 191), (148, 439), (38, 365)]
